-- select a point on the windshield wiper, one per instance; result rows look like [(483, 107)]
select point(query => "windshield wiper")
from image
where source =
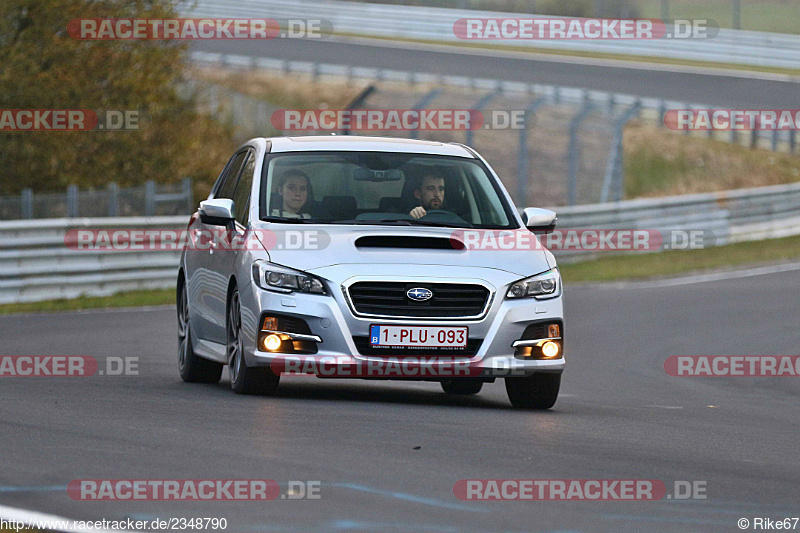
[(290, 220), (401, 222)]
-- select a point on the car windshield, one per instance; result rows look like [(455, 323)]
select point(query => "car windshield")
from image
[(382, 188)]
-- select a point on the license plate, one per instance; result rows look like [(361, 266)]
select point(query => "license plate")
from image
[(423, 336)]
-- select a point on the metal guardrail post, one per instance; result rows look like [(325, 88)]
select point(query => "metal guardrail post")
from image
[(737, 14), (687, 131), (774, 140), (72, 201), (357, 102), (26, 203), (614, 165), (186, 189), (619, 167), (522, 153), (792, 141), (479, 105), (422, 104), (664, 9), (573, 152), (113, 197), (150, 198)]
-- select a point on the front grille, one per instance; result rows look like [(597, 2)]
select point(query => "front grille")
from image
[(365, 348), (388, 298)]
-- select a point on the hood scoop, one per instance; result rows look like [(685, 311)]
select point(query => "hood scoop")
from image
[(409, 242)]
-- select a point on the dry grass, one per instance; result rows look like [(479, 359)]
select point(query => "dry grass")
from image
[(660, 162), (288, 92)]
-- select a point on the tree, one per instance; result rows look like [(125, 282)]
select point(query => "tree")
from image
[(44, 68)]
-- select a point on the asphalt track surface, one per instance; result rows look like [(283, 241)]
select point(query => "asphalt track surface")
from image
[(388, 453), (712, 88)]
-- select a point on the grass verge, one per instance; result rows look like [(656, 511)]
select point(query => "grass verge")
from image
[(616, 268), (124, 299), (660, 162), (674, 263)]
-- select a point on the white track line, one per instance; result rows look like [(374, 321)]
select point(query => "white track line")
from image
[(700, 278)]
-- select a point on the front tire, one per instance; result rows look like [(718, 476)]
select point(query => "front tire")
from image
[(245, 379), (538, 391), (192, 367), (462, 386)]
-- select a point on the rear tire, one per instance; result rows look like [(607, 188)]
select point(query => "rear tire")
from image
[(192, 367), (538, 391), (462, 386), (245, 379)]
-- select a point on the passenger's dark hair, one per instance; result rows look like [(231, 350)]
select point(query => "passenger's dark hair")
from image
[(291, 173)]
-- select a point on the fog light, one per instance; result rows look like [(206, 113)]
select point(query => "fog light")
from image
[(272, 342), (550, 349)]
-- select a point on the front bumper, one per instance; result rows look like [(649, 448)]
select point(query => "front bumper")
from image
[(330, 318)]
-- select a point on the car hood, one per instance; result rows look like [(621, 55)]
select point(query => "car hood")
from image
[(313, 247)]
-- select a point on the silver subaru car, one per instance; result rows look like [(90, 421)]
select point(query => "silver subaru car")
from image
[(369, 258)]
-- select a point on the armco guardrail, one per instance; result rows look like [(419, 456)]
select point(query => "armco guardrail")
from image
[(726, 217), (36, 265), (430, 23)]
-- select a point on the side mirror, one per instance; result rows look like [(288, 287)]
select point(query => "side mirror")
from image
[(541, 220), (217, 212)]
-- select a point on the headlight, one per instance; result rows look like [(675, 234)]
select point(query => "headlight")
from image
[(276, 278), (541, 286)]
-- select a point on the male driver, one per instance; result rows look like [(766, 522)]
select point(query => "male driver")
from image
[(430, 195)]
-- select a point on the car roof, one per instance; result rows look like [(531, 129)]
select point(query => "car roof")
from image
[(358, 143)]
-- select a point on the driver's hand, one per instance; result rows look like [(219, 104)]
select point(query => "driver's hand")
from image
[(418, 212)]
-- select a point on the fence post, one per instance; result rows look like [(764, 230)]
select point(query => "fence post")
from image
[(186, 189), (522, 153), (26, 200), (573, 152), (737, 14), (791, 141), (422, 104), (113, 195), (150, 198), (664, 10), (619, 166), (483, 102), (774, 140), (72, 201)]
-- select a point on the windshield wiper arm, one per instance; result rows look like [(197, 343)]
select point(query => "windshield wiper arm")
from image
[(290, 220)]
